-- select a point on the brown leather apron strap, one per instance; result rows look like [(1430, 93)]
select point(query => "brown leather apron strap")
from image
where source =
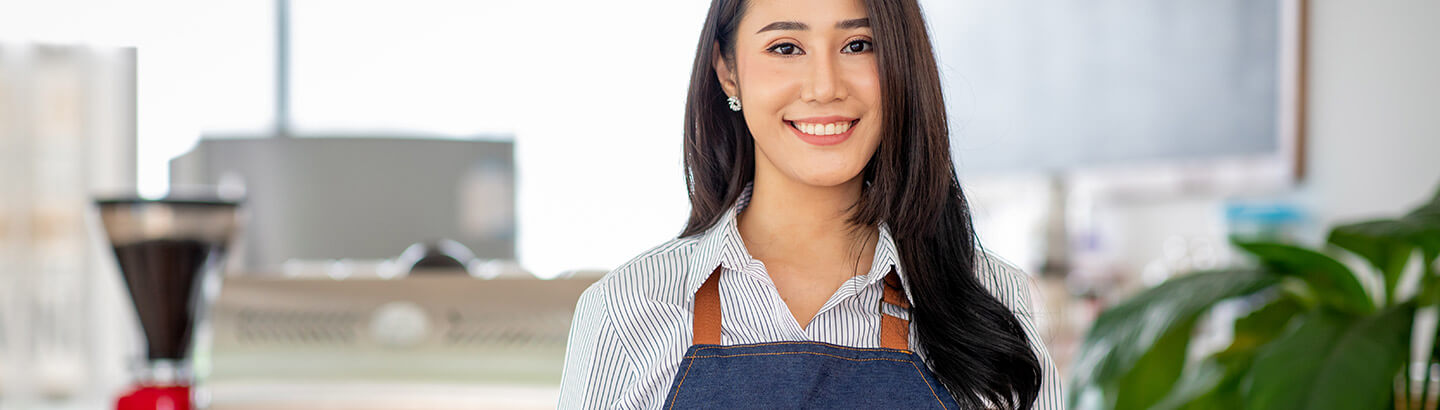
[(894, 331), (707, 311), (894, 291)]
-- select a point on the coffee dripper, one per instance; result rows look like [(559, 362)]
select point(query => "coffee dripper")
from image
[(164, 248)]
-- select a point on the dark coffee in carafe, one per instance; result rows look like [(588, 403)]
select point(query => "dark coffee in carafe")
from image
[(162, 276)]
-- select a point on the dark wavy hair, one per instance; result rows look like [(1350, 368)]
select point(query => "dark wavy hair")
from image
[(973, 343)]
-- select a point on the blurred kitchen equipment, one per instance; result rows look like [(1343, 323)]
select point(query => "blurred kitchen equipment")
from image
[(444, 340), (318, 198), (442, 255), (164, 248)]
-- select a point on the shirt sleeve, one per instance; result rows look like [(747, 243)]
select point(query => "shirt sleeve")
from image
[(596, 372), (1014, 288), (1050, 397)]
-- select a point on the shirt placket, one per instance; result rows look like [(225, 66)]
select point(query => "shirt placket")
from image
[(847, 292)]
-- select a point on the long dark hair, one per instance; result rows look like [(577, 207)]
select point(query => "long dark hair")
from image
[(973, 343)]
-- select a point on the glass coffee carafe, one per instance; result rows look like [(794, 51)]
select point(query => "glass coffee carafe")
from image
[(164, 248)]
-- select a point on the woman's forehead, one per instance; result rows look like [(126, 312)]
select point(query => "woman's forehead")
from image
[(813, 13)]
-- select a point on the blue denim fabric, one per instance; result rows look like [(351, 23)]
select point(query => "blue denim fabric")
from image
[(804, 375)]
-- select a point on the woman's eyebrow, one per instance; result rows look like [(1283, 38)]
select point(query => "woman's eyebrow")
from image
[(784, 25), (853, 23), (798, 26)]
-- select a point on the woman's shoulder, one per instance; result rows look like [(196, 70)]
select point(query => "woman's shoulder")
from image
[(1007, 282), (655, 271)]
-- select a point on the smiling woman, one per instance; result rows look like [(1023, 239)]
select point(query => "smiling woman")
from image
[(829, 259)]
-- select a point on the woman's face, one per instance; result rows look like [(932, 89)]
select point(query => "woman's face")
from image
[(806, 75)]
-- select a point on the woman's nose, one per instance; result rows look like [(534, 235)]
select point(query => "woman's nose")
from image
[(823, 83)]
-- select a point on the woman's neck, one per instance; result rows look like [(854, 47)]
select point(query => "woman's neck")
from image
[(789, 222)]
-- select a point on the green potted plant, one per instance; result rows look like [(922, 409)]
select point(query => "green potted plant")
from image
[(1315, 338)]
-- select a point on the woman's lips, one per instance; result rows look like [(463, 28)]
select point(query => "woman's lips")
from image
[(823, 130)]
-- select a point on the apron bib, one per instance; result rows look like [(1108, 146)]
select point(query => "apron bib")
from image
[(803, 374)]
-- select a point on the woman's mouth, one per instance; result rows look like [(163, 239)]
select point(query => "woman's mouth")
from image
[(824, 130)]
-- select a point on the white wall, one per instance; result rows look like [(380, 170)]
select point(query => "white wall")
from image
[(1374, 133)]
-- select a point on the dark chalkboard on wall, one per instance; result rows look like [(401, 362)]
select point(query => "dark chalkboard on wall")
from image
[(1047, 85)]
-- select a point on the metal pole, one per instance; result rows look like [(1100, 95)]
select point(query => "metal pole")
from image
[(282, 68)]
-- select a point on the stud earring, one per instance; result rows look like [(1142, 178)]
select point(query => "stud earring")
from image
[(734, 103)]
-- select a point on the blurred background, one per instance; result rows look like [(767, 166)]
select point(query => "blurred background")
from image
[(527, 147)]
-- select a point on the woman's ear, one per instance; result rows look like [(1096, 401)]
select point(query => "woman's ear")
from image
[(724, 72)]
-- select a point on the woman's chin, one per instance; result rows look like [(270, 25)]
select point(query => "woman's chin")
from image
[(821, 177)]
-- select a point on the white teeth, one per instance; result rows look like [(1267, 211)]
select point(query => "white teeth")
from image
[(823, 129)]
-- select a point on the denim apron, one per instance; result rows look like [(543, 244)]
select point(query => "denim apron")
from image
[(802, 374)]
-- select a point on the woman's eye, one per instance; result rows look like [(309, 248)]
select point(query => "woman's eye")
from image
[(786, 49), (858, 46)]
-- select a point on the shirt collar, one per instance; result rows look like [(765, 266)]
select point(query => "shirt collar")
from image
[(721, 245)]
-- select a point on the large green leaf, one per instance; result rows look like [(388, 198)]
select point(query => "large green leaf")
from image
[(1332, 361), (1260, 327), (1141, 343), (1206, 386), (1385, 244), (1388, 243), (1156, 371), (1425, 224), (1332, 282), (1214, 383), (1425, 234)]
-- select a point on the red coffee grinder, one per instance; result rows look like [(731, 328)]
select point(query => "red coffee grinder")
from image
[(165, 247)]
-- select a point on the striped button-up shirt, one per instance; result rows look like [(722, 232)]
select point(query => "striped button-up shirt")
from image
[(633, 325)]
